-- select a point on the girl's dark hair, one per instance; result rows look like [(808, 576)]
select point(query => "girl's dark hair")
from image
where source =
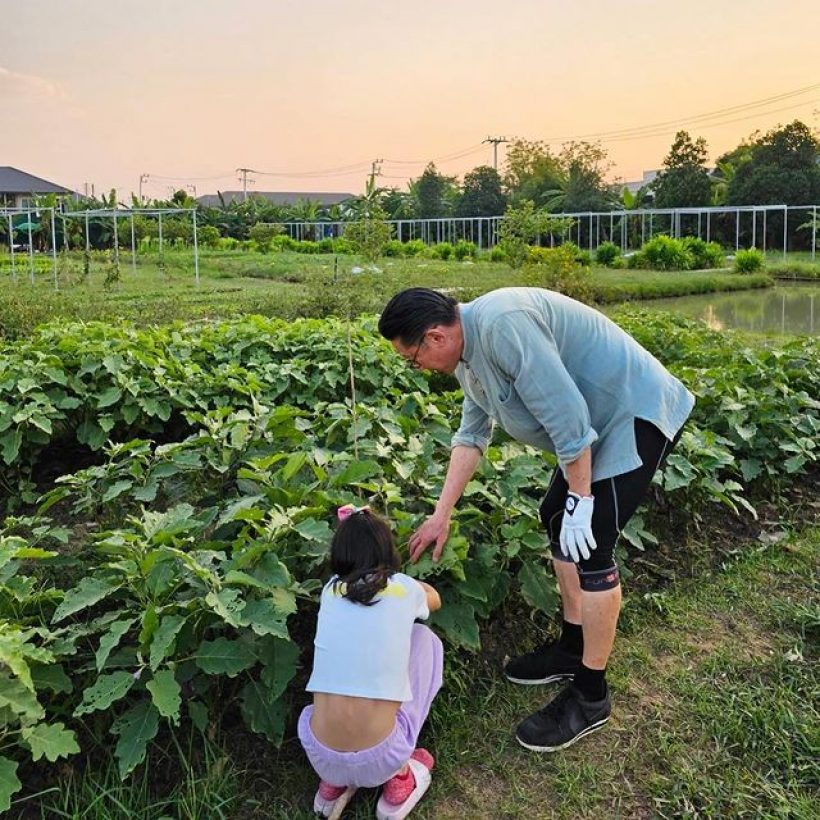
[(363, 556), (411, 313)]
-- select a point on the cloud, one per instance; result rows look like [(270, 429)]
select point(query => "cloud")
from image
[(30, 82)]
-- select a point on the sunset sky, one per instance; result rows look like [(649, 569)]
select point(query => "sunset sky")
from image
[(187, 91)]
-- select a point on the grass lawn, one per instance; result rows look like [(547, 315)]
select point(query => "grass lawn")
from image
[(288, 284)]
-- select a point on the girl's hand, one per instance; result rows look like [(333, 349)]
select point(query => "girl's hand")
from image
[(435, 529)]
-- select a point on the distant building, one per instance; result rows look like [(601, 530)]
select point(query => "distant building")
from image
[(324, 198), (648, 176), (17, 188)]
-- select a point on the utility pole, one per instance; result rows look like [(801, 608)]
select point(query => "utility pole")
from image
[(375, 170), (245, 172), (495, 141), (143, 178)]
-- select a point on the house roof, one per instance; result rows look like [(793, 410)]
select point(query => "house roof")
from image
[(275, 197), (14, 181)]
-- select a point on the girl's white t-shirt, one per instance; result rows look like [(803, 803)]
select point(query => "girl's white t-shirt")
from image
[(364, 651)]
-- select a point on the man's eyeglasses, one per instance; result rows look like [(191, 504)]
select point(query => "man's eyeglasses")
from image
[(414, 363)]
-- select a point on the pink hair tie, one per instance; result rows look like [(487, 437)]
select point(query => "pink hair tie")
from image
[(343, 513)]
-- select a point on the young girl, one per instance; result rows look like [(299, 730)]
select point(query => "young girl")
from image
[(375, 673)]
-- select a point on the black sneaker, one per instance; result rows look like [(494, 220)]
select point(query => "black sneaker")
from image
[(546, 664), (563, 721)]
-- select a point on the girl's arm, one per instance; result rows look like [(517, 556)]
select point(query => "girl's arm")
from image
[(433, 598)]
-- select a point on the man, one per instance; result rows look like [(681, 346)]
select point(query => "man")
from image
[(558, 375)]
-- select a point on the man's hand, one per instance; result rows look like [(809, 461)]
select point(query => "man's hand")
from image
[(576, 537), (435, 528)]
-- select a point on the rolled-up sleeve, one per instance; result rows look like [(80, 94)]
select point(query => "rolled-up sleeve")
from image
[(476, 427), (525, 350)]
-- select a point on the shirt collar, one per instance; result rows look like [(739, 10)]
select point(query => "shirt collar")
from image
[(465, 312)]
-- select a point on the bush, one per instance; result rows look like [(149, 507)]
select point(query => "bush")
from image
[(558, 269), (228, 243), (307, 246), (664, 253), (325, 245), (465, 250), (794, 270), (607, 253), (705, 254), (415, 247), (394, 248), (342, 245), (497, 254), (208, 236), (263, 233), (283, 243), (749, 260), (443, 250)]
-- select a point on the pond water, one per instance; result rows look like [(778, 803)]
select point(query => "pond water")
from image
[(787, 309)]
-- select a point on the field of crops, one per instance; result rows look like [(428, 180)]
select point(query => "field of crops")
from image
[(169, 494)]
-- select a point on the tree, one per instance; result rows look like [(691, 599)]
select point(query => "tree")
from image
[(481, 193), (581, 185), (684, 182), (530, 171), (782, 169), (433, 193)]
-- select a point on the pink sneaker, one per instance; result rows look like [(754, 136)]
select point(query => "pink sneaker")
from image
[(330, 800), (401, 793)]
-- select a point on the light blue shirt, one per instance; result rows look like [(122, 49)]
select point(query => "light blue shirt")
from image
[(561, 376)]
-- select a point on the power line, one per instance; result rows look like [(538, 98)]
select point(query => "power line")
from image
[(695, 118)]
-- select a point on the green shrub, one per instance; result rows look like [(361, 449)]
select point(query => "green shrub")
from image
[(263, 233), (704, 254), (664, 253), (229, 243), (208, 236), (497, 254), (284, 243), (465, 250), (325, 245), (749, 260), (415, 247), (443, 250), (394, 248), (794, 270), (607, 253), (342, 245), (307, 246)]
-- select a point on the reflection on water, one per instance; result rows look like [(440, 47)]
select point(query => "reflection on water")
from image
[(788, 309)]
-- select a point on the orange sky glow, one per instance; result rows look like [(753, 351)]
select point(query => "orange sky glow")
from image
[(310, 94)]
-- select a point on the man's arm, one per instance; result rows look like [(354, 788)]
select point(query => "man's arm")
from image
[(579, 473), (463, 463)]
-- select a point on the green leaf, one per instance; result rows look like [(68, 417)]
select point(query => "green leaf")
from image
[(537, 587), (458, 622), (264, 618), (164, 638), (51, 677), (279, 658), (165, 691), (50, 740), (10, 443), (136, 728), (355, 472), (228, 604), (116, 490), (19, 698), (198, 713), (87, 593), (107, 689), (110, 640), (108, 397), (9, 782), (223, 657), (314, 530), (294, 464), (263, 711)]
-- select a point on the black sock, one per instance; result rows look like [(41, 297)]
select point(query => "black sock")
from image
[(572, 638), (591, 683)]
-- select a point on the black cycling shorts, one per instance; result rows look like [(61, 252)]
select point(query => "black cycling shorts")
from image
[(616, 500)]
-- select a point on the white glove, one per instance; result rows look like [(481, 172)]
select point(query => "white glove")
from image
[(576, 537)]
